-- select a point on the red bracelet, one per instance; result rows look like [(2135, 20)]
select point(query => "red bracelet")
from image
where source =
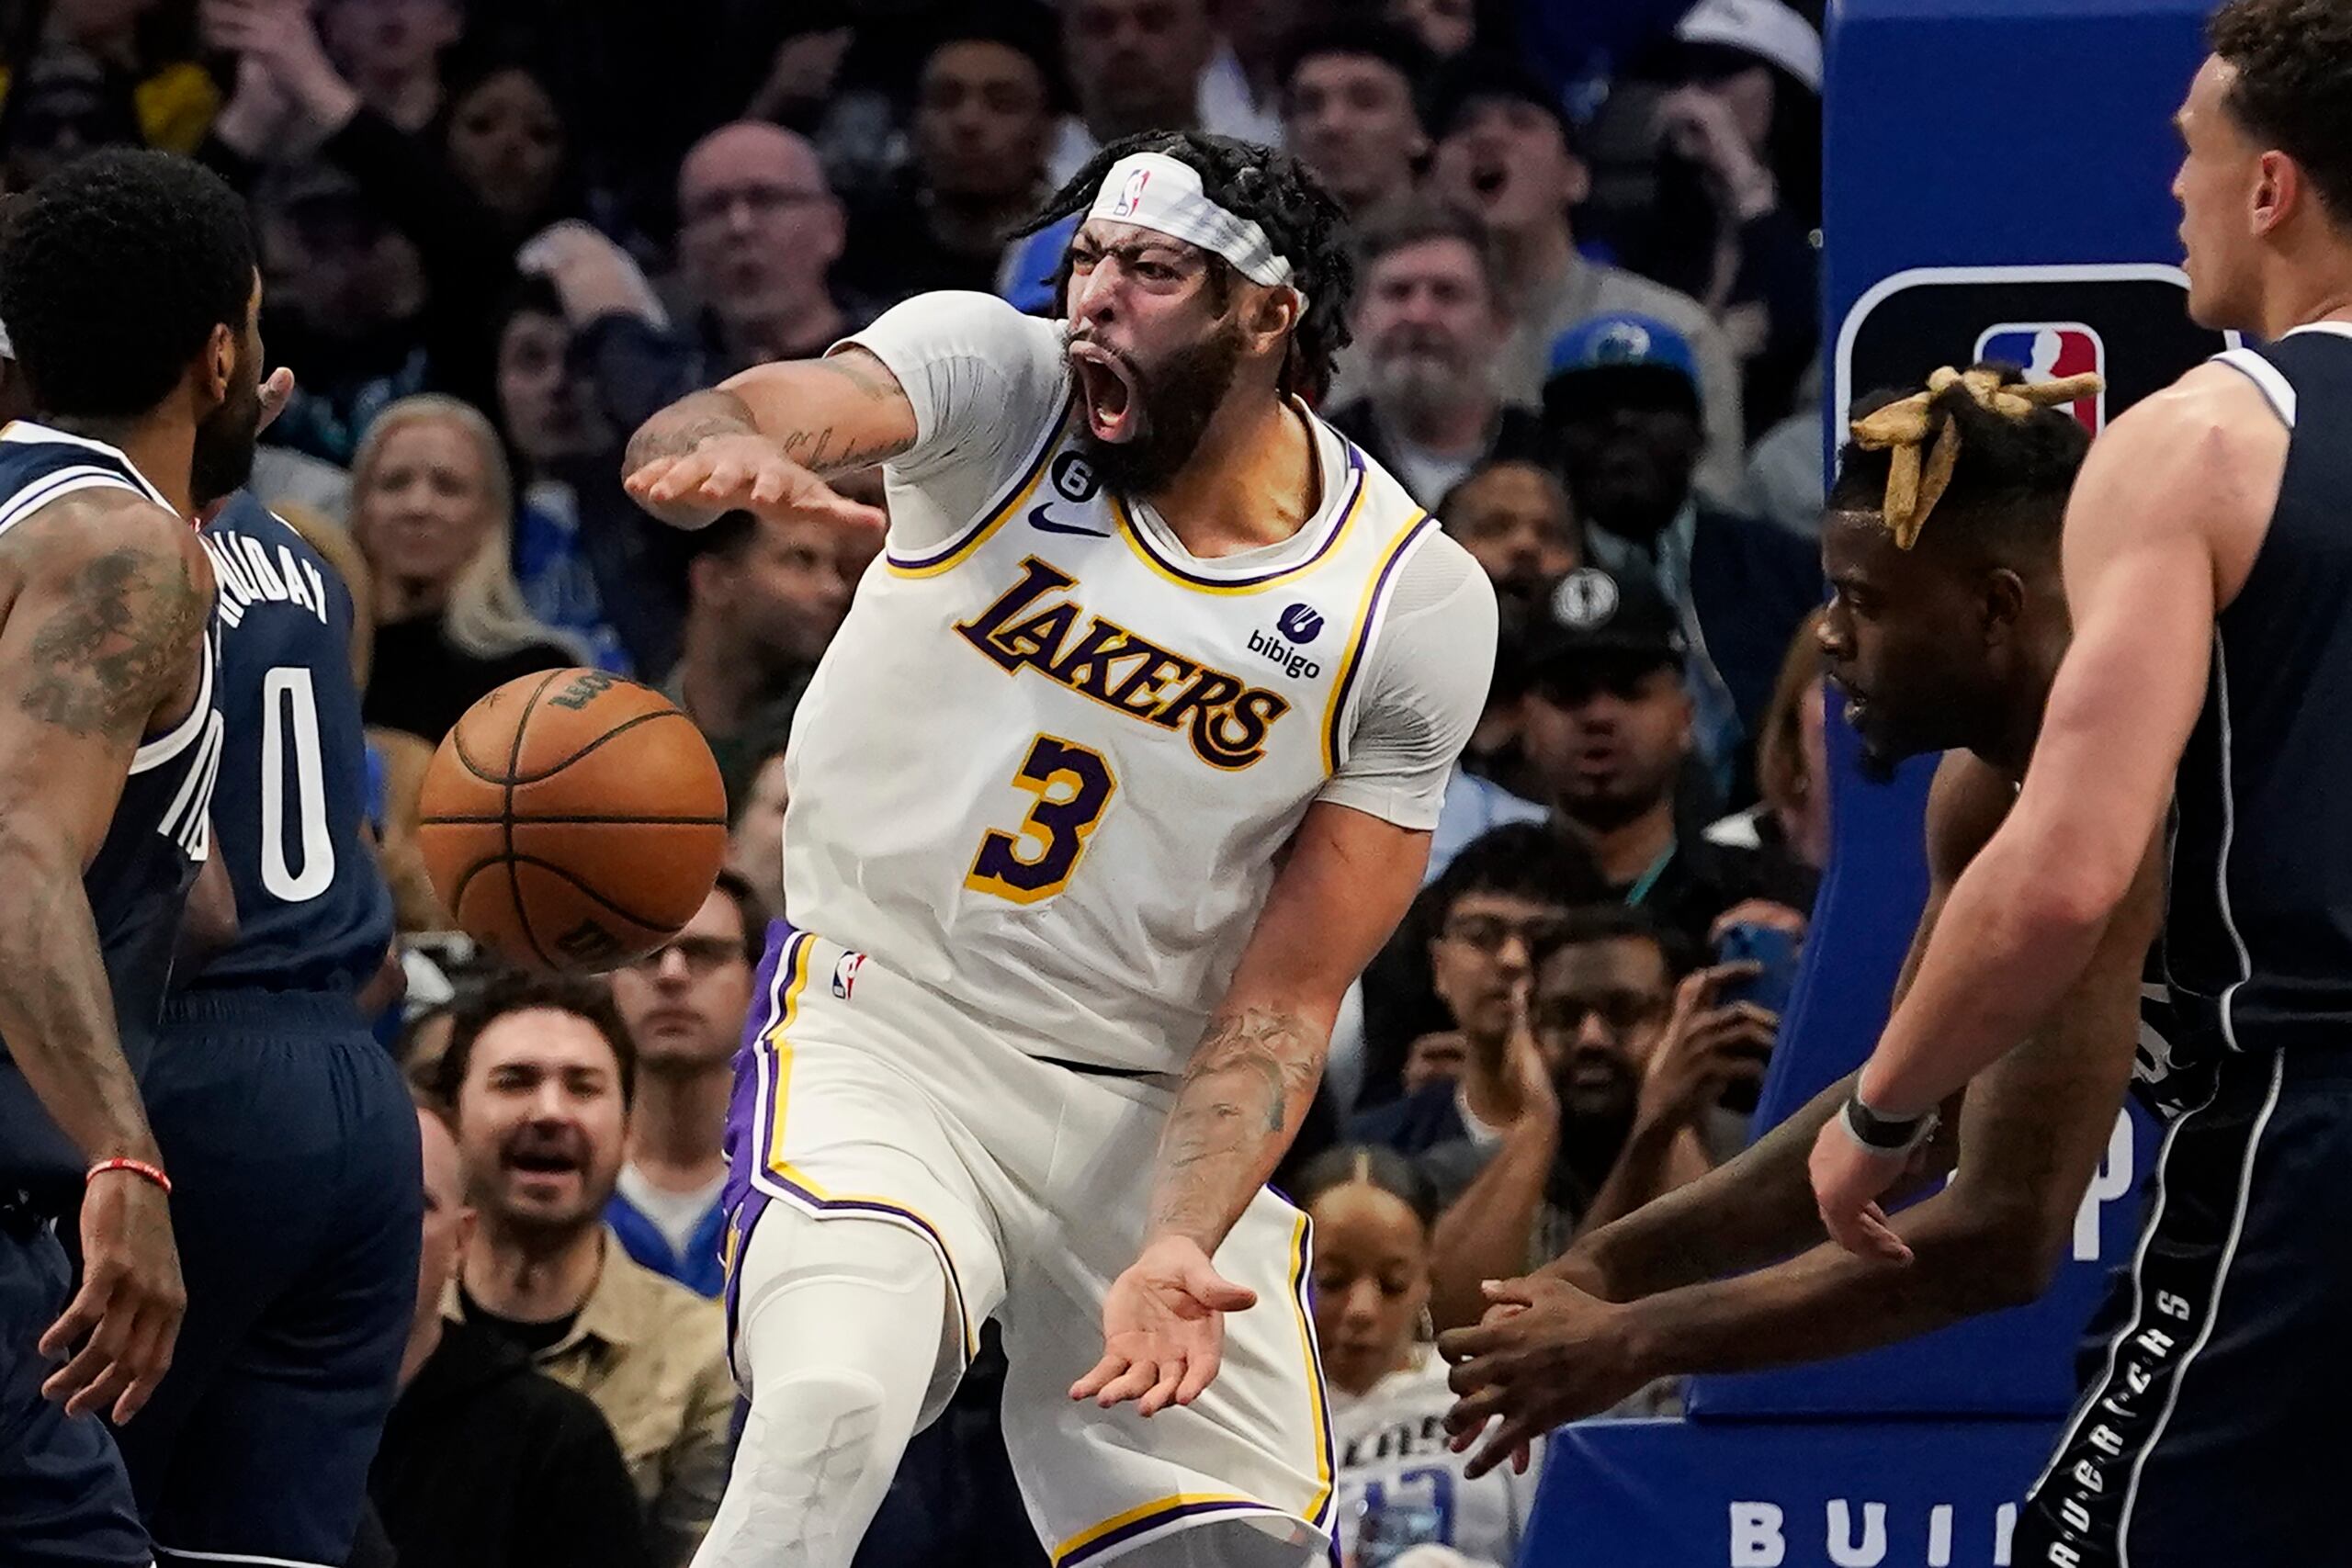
[(140, 1168)]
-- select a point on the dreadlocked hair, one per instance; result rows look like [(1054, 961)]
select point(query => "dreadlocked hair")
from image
[(1989, 455), (1275, 191)]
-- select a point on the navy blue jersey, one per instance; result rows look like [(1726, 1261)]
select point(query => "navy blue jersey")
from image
[(313, 912), (2258, 929), (138, 883)]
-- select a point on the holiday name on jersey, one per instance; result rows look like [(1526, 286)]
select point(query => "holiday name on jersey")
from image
[(245, 574), (1031, 624)]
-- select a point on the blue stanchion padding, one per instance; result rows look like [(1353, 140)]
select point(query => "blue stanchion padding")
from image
[(2000, 132), (1783, 1493)]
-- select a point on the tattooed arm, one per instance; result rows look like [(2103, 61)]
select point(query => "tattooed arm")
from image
[(1342, 889), (109, 595), (767, 439)]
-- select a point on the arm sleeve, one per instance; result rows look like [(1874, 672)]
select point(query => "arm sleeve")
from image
[(1424, 690), (986, 382)]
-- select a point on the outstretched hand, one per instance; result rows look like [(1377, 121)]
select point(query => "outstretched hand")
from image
[(1847, 1180), (747, 472), (1163, 1329)]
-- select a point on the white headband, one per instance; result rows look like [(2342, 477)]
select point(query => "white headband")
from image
[(1155, 191)]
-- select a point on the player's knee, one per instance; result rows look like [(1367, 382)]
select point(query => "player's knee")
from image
[(816, 1426), (817, 1298)]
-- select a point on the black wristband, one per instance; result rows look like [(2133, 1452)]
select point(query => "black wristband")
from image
[(1886, 1135)]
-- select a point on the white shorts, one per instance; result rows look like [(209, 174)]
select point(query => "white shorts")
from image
[(862, 1095)]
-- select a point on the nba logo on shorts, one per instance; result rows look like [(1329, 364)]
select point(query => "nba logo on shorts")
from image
[(1132, 196), (845, 970), (2050, 351)]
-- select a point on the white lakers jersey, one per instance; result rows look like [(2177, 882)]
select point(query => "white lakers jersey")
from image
[(1049, 762)]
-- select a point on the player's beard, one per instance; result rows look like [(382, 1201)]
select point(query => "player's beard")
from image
[(225, 440), (1176, 399)]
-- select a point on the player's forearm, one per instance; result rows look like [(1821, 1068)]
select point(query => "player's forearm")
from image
[(56, 1011), (2016, 935), (1967, 1260), (1486, 1231), (677, 430), (1243, 1096)]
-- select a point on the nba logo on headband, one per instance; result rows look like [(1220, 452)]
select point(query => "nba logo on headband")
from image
[(1131, 197), (1152, 190)]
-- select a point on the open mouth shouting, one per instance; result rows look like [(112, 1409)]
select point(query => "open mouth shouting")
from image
[(1108, 386), (1488, 177), (545, 1164)]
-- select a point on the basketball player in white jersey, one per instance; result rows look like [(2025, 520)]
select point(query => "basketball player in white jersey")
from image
[(1121, 766)]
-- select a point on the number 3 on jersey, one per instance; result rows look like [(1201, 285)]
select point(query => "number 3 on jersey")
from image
[(1072, 784)]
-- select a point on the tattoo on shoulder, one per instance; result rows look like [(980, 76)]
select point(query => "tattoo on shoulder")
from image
[(119, 634)]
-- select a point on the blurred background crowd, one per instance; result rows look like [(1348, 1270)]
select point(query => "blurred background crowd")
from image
[(497, 234)]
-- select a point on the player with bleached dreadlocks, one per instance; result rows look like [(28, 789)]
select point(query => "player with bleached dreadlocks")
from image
[(1942, 542), (1932, 629)]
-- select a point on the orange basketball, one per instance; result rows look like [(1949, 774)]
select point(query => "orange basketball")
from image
[(572, 820)]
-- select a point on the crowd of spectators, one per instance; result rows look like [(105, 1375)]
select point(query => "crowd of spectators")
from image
[(497, 234)]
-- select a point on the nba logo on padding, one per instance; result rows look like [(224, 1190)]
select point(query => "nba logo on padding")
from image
[(2050, 351)]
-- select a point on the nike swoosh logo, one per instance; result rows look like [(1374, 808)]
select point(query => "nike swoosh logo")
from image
[(1037, 519)]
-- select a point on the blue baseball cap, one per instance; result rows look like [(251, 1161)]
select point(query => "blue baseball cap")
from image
[(1621, 341), (1613, 359)]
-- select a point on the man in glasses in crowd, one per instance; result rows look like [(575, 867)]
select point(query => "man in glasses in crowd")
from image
[(684, 1004)]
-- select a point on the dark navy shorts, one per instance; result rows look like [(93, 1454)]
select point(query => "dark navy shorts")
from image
[(297, 1202), (64, 1502), (2211, 1430)]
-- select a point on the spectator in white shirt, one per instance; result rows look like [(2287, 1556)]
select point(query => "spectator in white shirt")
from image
[(1400, 1482), (1429, 323)]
